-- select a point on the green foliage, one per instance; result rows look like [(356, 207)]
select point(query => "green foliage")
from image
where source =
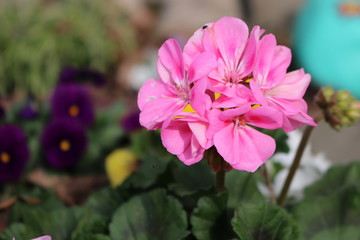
[(261, 220), (148, 216), (331, 205), (210, 220), (242, 187), (191, 179), (38, 38)]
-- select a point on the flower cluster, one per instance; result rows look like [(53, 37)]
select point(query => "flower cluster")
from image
[(64, 139), (224, 83)]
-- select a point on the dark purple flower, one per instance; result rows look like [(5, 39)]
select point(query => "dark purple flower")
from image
[(14, 153), (29, 111), (73, 75), (73, 101), (130, 122), (64, 141)]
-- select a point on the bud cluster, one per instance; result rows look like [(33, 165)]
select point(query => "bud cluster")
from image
[(340, 108)]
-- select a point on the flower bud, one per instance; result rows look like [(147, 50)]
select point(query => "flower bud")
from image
[(340, 108)]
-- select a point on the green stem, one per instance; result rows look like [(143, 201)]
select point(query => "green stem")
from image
[(295, 165)]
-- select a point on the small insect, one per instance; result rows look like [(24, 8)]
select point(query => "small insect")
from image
[(205, 26)]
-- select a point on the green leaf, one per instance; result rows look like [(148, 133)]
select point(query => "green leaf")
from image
[(335, 179), (333, 211), (150, 216), (190, 179), (17, 231), (340, 233), (147, 174), (258, 221), (210, 220), (242, 186), (145, 143), (97, 213)]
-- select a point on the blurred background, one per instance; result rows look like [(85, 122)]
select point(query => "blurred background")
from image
[(119, 40), (87, 59)]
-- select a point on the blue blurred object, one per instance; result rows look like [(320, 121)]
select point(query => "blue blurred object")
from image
[(327, 42)]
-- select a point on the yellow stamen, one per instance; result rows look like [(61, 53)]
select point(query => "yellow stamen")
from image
[(255, 106), (65, 145), (187, 108), (74, 110), (217, 95), (248, 80), (5, 157)]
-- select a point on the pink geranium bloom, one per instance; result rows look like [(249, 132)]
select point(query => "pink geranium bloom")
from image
[(40, 238), (185, 137), (161, 99), (243, 147), (236, 51), (272, 86)]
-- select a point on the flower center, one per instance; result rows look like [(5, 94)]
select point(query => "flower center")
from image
[(74, 110), (239, 121), (5, 157), (65, 145)]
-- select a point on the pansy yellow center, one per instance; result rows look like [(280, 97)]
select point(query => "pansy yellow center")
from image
[(65, 145), (74, 110), (5, 157)]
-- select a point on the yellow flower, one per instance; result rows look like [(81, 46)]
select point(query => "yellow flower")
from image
[(119, 165)]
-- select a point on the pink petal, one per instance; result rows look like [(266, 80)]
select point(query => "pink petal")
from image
[(43, 238), (170, 56), (215, 124), (201, 66), (254, 149), (155, 112), (265, 117), (231, 35), (292, 122), (293, 86), (200, 101), (199, 130), (266, 52), (193, 153), (151, 90), (248, 58), (279, 65), (231, 113), (258, 94), (176, 137)]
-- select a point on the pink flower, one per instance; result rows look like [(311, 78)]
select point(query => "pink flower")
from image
[(272, 86), (236, 51), (161, 99), (243, 147), (185, 137), (231, 81)]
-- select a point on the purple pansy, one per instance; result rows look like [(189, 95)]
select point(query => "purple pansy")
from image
[(130, 122), (14, 153), (74, 101), (64, 141), (72, 75), (29, 111)]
